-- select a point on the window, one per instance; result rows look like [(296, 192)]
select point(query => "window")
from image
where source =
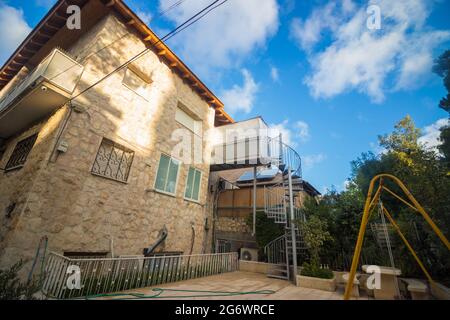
[(166, 178), (113, 161), (20, 153), (193, 184), (137, 81), (188, 121)]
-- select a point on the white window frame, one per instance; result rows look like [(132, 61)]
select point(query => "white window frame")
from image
[(176, 180), (197, 121), (193, 183), (138, 74)]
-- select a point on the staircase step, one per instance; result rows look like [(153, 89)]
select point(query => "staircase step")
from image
[(277, 276)]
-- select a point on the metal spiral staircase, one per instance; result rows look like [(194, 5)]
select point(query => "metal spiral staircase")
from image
[(280, 205)]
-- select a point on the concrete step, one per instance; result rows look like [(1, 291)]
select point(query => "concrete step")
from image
[(277, 276)]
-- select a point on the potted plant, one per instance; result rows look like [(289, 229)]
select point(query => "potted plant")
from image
[(312, 275)]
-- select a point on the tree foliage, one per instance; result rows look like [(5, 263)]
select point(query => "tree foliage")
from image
[(11, 288), (442, 68), (424, 173)]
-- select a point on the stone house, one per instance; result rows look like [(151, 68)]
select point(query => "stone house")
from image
[(92, 168)]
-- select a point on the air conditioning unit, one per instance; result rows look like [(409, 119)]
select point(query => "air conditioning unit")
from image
[(248, 254)]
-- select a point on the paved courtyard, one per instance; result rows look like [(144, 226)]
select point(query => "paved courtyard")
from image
[(239, 282)]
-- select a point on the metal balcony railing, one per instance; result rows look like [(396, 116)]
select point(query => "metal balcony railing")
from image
[(104, 275), (257, 150), (57, 69)]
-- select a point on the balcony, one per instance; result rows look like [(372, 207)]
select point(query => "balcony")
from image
[(241, 144), (46, 88), (248, 144)]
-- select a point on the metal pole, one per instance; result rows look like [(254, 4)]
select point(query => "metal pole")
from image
[(292, 218), (254, 201)]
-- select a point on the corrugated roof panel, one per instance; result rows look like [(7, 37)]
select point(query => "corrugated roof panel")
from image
[(247, 176), (267, 174)]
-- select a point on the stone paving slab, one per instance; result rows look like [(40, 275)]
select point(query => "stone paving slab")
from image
[(242, 282)]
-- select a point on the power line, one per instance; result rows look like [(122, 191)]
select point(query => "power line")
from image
[(173, 6), (200, 17), (169, 35), (127, 34)]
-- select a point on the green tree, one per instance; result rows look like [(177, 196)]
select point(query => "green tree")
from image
[(442, 68), (315, 234), (11, 288), (424, 174)]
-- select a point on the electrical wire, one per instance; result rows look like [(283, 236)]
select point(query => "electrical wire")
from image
[(169, 35), (173, 6)]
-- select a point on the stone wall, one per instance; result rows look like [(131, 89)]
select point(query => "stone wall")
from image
[(233, 224), (58, 195)]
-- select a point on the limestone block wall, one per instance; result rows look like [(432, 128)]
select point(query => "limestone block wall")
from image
[(233, 224), (81, 212)]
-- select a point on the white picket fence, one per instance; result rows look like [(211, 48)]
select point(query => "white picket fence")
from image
[(105, 275)]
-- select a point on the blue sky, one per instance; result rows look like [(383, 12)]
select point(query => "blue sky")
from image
[(312, 69)]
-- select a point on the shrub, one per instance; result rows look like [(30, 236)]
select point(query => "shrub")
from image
[(11, 288), (312, 270)]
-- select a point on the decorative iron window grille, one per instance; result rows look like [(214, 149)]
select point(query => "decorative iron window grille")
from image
[(20, 153), (113, 161)]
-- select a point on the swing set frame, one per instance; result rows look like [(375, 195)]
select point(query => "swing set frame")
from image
[(371, 201)]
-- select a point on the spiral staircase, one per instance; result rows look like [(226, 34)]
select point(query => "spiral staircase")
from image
[(281, 205)]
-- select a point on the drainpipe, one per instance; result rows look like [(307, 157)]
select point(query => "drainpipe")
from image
[(292, 218), (254, 201)]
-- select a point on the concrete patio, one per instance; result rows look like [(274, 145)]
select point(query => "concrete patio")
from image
[(239, 281)]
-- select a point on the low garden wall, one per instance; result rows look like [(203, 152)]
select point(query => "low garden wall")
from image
[(253, 266)]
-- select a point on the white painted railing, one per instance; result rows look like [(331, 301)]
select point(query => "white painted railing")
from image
[(103, 275), (57, 68)]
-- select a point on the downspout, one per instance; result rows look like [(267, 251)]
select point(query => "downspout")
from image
[(254, 201)]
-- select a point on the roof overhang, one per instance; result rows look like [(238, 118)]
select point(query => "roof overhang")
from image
[(56, 19)]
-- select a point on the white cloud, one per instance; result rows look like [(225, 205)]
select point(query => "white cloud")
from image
[(356, 58), (241, 98), (377, 149), (13, 30), (226, 35), (274, 74), (303, 130), (309, 161), (275, 129), (291, 134), (431, 133), (146, 16), (308, 32)]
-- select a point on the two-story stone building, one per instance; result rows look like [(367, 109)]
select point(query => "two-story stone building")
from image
[(93, 168)]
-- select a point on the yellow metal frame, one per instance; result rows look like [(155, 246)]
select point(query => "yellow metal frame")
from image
[(368, 208)]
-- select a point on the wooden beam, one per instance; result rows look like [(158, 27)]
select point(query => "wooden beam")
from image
[(48, 25), (148, 38), (59, 16), (31, 51), (162, 52), (37, 43), (131, 22), (111, 3)]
